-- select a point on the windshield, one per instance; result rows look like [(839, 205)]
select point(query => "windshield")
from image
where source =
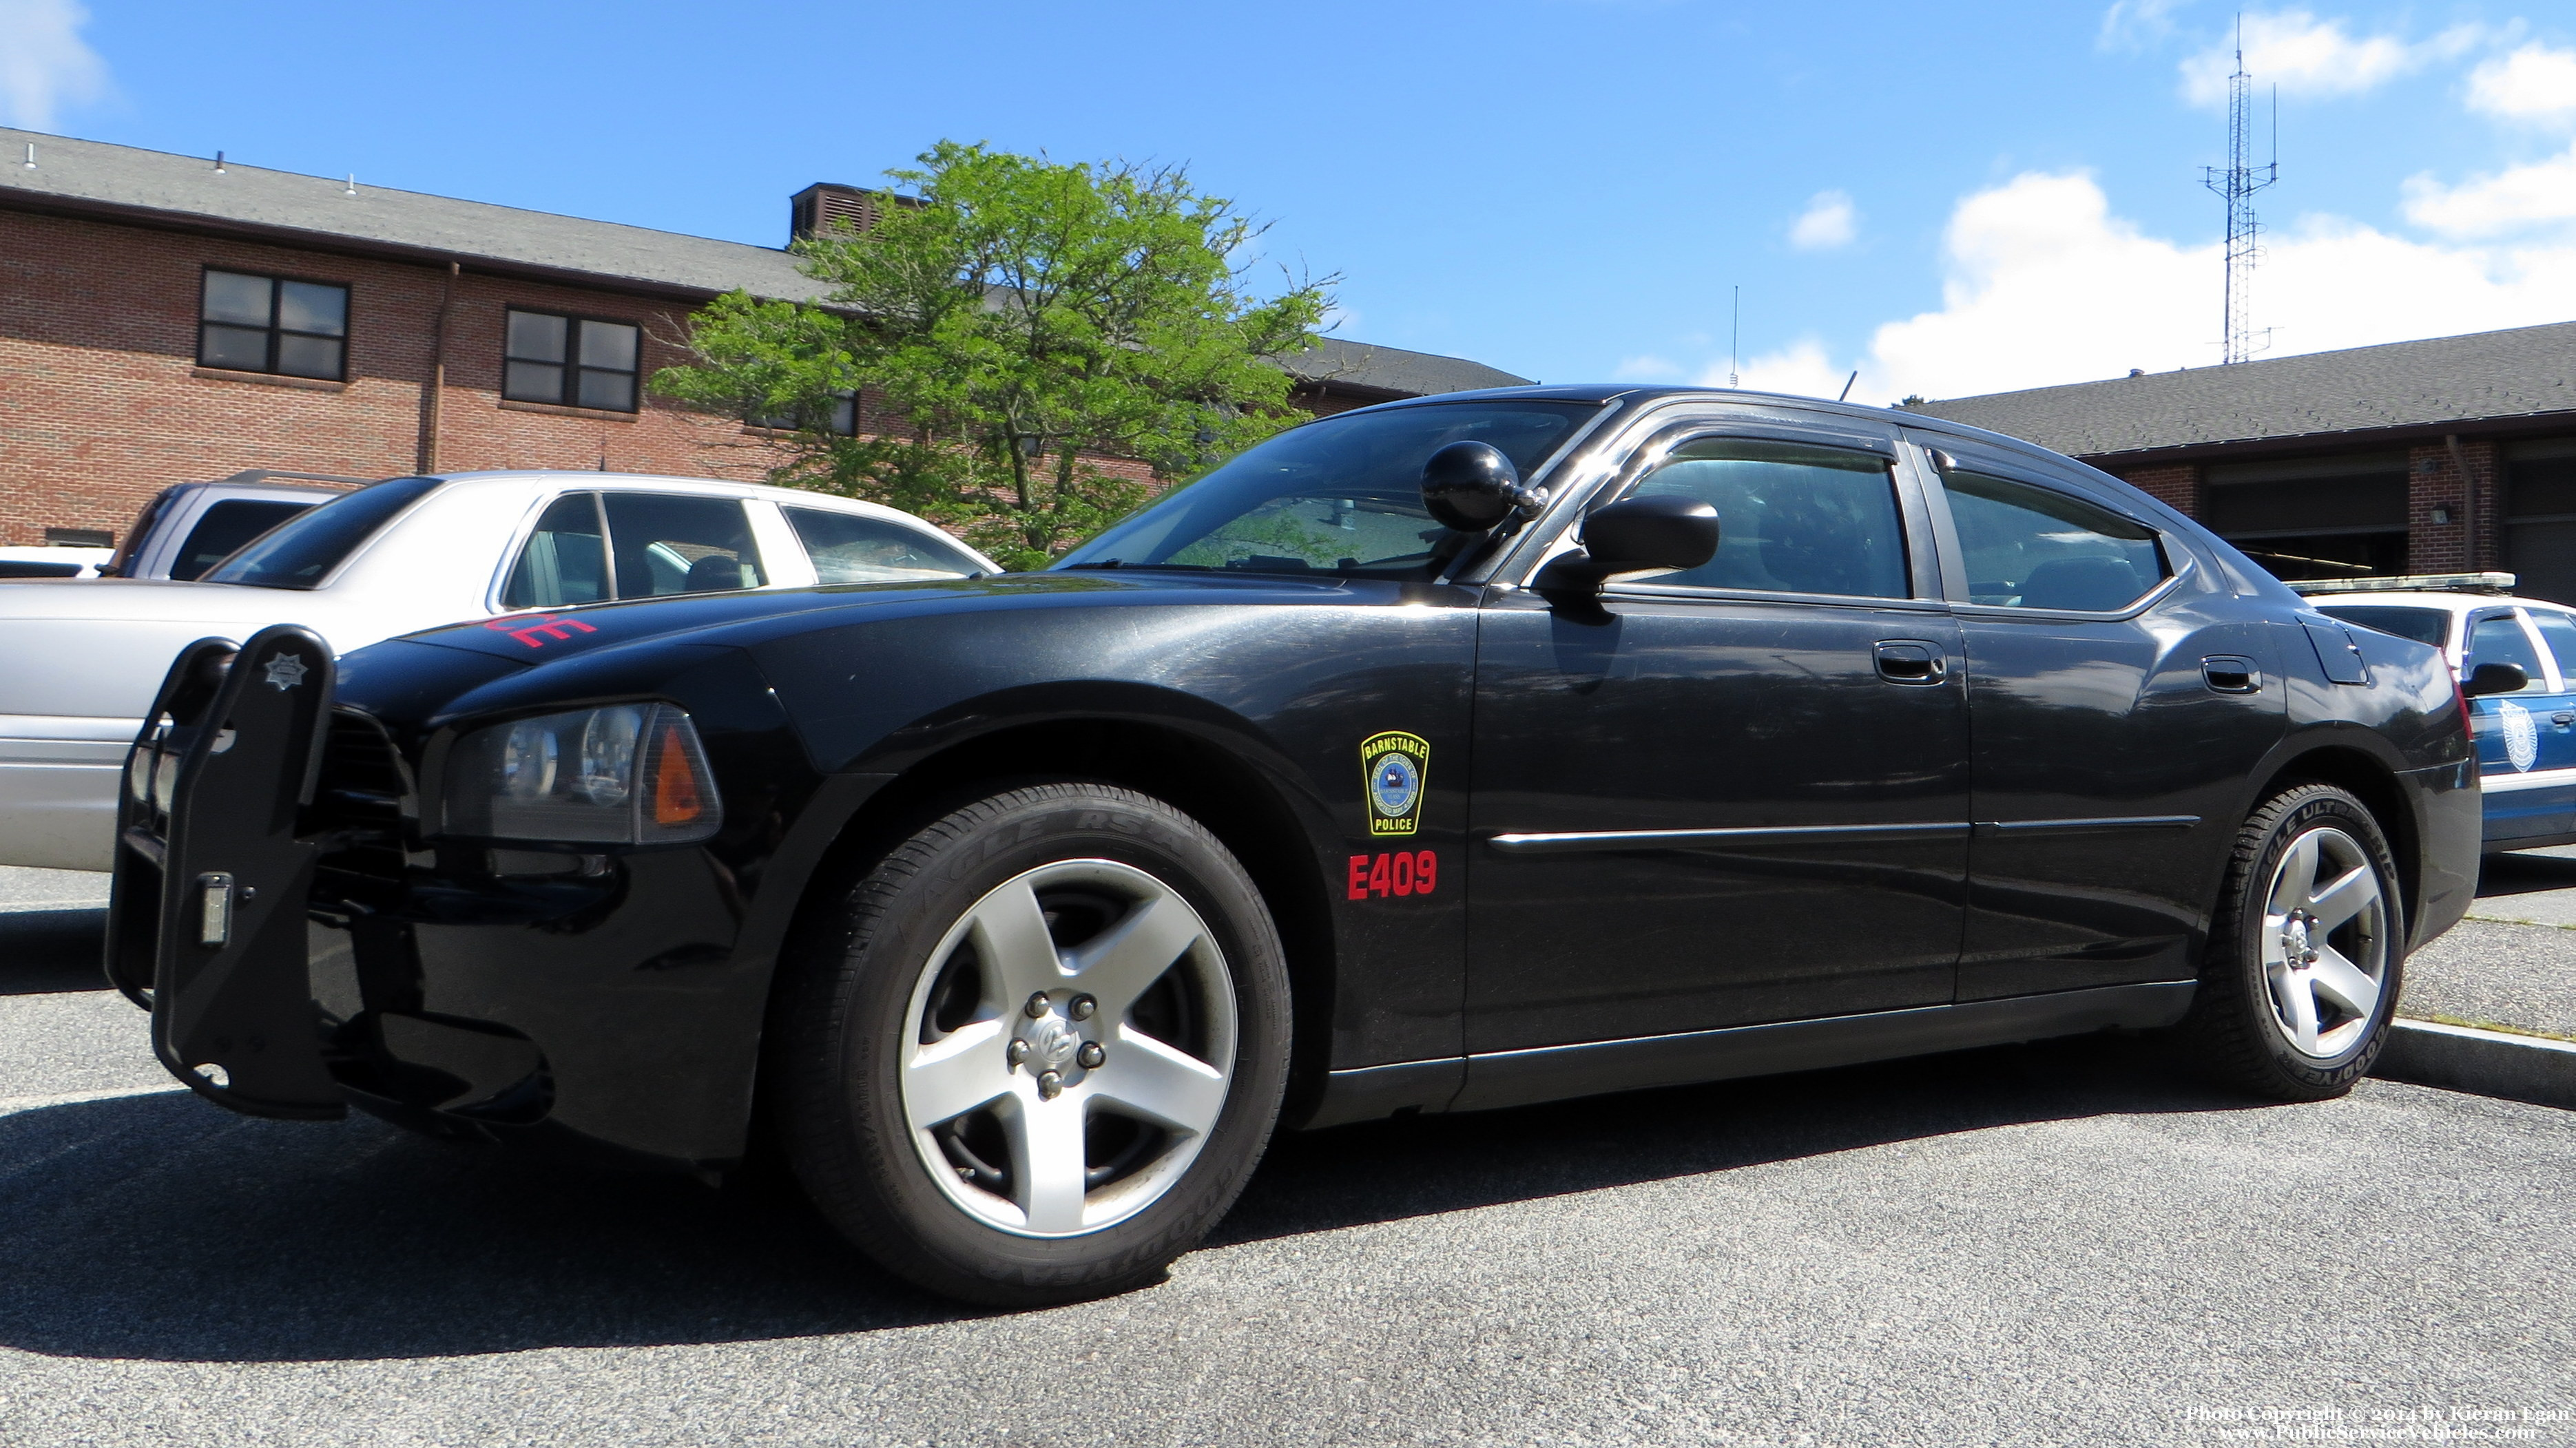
[(1341, 496), (2423, 625), (302, 551)]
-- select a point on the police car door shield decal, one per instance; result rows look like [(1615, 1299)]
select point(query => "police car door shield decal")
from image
[(1395, 769)]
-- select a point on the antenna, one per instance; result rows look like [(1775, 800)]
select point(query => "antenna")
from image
[(1845, 394), (2237, 183), (1734, 335)]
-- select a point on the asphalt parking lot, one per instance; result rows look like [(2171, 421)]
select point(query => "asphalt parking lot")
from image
[(2059, 1244)]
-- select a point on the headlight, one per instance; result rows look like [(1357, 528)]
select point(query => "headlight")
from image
[(629, 774)]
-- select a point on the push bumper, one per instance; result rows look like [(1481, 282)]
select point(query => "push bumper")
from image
[(206, 922)]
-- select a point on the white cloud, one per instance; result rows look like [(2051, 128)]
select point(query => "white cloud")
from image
[(2044, 284), (2511, 200), (1648, 368), (2306, 56), (2132, 23), (1802, 369), (44, 63), (1828, 222), (2535, 83)]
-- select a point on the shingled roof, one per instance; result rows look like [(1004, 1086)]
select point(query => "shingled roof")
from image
[(190, 192), (2480, 377)]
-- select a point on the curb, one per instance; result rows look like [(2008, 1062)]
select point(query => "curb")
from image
[(2489, 1063)]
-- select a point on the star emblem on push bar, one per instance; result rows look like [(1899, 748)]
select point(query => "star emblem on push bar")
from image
[(285, 671)]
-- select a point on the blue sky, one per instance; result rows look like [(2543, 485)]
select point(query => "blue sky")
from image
[(1567, 188)]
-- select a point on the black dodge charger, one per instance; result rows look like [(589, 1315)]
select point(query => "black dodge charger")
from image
[(1445, 755)]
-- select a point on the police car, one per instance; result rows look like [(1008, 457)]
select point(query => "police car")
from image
[(1446, 755), (2526, 737)]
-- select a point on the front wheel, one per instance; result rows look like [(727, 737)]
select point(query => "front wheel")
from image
[(1035, 1053), (2305, 952)]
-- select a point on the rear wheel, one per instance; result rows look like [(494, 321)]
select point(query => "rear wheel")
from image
[(2306, 951), (1035, 1053)]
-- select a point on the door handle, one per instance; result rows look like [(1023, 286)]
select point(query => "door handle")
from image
[(2562, 718), (2231, 674), (1911, 661)]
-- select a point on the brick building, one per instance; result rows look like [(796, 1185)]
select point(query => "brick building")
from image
[(166, 318), (2445, 455)]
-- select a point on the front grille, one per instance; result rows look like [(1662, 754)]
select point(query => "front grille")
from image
[(358, 805)]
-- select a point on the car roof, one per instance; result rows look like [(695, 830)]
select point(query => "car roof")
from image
[(2447, 602)]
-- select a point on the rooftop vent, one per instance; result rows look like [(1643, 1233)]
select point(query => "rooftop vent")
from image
[(825, 207)]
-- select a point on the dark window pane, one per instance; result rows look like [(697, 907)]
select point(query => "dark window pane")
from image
[(533, 382), (1791, 518), (2559, 632), (225, 528), (851, 548), (2423, 625), (308, 356), (2502, 641), (608, 344), (536, 337), (300, 551), (2032, 547), (234, 297), (608, 389), (235, 347), (564, 562), (313, 307), (845, 414), (673, 543)]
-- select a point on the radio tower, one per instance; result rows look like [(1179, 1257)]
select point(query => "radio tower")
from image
[(2237, 183)]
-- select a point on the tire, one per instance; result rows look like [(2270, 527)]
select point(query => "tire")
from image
[(2306, 950), (1013, 1151)]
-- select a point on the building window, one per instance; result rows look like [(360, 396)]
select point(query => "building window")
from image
[(842, 419), (273, 324), (572, 361)]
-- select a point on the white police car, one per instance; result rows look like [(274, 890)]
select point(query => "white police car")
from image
[(2526, 739)]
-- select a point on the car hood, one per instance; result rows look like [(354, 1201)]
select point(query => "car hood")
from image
[(742, 619)]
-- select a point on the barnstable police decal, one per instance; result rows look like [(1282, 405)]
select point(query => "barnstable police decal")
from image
[(1394, 768)]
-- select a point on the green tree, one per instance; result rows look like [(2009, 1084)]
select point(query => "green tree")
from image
[(1025, 320)]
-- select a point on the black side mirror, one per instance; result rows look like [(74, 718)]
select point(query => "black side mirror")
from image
[(1471, 486), (1631, 536), (2495, 679)]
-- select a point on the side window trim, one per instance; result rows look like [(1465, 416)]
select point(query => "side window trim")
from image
[(2550, 681), (1671, 432), (783, 561), (2179, 560), (497, 600)]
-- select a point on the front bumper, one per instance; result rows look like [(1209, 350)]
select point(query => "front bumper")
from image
[(206, 915), (608, 1002)]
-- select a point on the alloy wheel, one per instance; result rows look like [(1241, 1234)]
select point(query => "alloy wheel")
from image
[(1069, 1046), (2325, 943)]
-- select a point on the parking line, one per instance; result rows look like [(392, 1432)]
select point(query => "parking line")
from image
[(10, 1105)]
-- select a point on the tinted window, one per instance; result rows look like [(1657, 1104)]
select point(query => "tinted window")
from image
[(271, 324), (851, 548), (302, 551), (2558, 631), (226, 527), (564, 561), (2423, 625), (2500, 640), (569, 361), (1341, 495), (2032, 547), (671, 543), (1791, 518)]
